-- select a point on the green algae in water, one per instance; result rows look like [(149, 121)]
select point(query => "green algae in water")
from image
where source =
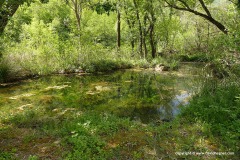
[(146, 96)]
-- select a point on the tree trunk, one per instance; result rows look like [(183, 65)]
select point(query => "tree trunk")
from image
[(145, 32), (152, 20), (133, 45), (139, 28), (118, 29), (145, 47), (77, 11), (152, 41), (6, 15), (130, 26)]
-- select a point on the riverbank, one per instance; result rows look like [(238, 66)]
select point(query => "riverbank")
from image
[(10, 73)]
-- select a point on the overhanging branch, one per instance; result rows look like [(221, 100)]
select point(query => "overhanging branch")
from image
[(206, 16)]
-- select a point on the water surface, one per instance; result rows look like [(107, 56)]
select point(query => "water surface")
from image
[(142, 95)]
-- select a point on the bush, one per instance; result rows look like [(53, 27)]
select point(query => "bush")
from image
[(4, 71), (194, 58), (106, 65)]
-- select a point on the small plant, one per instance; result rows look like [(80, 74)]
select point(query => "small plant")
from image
[(33, 157), (6, 156), (142, 63), (174, 65)]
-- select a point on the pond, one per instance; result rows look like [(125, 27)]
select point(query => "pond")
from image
[(142, 95)]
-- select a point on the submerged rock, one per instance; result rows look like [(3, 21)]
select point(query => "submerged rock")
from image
[(57, 87), (102, 88), (22, 95), (21, 108), (92, 93)]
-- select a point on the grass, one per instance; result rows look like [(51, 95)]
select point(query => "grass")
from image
[(105, 136), (217, 106), (23, 69)]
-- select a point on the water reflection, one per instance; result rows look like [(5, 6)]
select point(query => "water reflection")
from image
[(146, 96)]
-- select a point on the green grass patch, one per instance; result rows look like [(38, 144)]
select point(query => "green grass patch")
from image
[(218, 106)]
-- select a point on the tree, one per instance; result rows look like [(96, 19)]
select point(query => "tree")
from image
[(77, 7), (131, 21), (107, 7), (118, 25), (139, 27), (7, 10), (152, 19), (190, 5)]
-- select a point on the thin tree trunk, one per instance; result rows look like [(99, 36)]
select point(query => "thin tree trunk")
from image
[(145, 47), (130, 26), (118, 29), (152, 41), (77, 10), (133, 45), (152, 20), (140, 29), (145, 32)]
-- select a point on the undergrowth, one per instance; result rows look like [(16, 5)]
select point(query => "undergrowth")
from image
[(218, 106)]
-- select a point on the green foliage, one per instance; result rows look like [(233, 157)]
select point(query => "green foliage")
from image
[(194, 58), (6, 156), (217, 105), (142, 63), (85, 134), (33, 158), (4, 71), (104, 7), (235, 69), (43, 38)]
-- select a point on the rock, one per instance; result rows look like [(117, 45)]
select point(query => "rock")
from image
[(57, 87), (161, 67), (101, 88), (21, 108), (92, 93), (22, 95)]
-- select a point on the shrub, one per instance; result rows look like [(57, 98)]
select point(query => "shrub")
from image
[(194, 58), (4, 71), (106, 65)]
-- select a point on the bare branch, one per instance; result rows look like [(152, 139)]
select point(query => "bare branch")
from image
[(206, 16), (205, 8)]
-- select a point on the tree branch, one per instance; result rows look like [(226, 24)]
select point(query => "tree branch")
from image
[(205, 16), (205, 8), (185, 4)]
